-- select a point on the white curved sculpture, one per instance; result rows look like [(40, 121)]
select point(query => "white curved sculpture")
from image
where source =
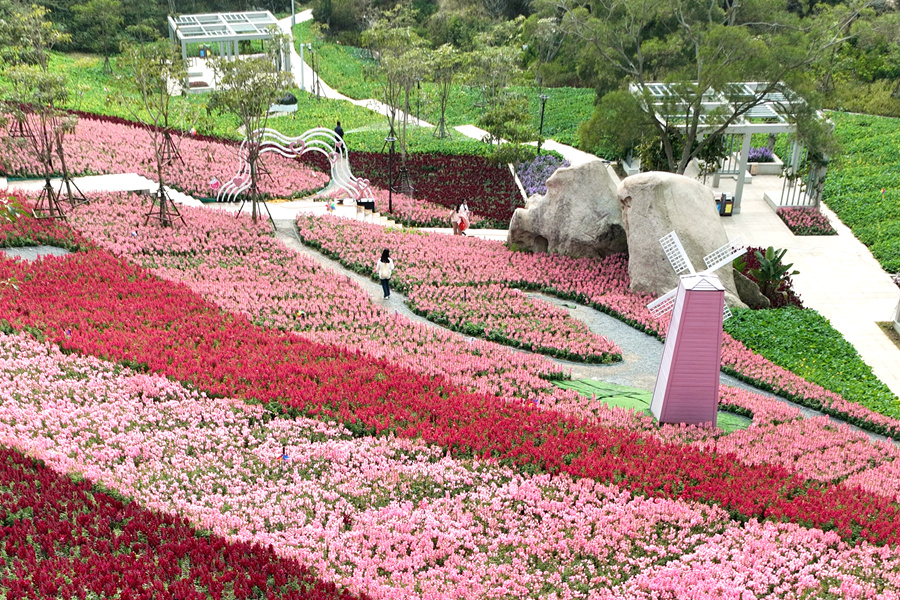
[(320, 139)]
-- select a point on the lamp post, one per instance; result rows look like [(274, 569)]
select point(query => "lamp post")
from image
[(390, 140), (543, 99), (293, 15), (303, 67), (418, 99)]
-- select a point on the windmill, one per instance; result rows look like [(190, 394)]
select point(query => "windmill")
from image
[(687, 385)]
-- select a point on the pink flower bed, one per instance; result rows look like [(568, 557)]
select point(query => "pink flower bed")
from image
[(600, 283), (507, 316), (101, 147), (398, 518), (806, 221)]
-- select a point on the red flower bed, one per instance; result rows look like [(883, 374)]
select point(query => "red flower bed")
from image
[(34, 232), (66, 539), (95, 303), (444, 179)]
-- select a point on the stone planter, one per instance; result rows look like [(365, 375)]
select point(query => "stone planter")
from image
[(766, 168)]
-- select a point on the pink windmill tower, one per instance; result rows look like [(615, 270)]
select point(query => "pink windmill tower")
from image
[(687, 385)]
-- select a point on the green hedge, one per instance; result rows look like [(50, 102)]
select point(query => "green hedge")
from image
[(805, 343)]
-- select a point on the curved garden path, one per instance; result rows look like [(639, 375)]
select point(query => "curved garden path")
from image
[(641, 353)]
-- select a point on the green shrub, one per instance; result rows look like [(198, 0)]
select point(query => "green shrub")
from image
[(863, 183), (804, 342)]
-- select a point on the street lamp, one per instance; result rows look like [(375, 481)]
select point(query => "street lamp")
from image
[(418, 100), (303, 66), (390, 140), (543, 98), (293, 15)]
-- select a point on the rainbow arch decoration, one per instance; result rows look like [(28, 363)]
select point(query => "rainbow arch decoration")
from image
[(321, 139)]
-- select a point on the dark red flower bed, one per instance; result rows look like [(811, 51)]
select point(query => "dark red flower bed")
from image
[(489, 190), (63, 539), (95, 303)]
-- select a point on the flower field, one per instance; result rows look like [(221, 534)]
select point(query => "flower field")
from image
[(601, 284), (380, 516), (507, 316), (437, 479), (442, 181), (62, 538), (100, 146)]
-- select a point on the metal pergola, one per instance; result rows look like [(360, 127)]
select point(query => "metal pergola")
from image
[(223, 31), (769, 115)]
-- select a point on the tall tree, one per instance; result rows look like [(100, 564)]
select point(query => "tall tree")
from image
[(152, 72), (35, 97), (445, 65), (700, 47), (99, 27), (400, 61), (246, 88)]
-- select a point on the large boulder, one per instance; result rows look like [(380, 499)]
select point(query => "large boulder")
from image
[(580, 215), (654, 204)]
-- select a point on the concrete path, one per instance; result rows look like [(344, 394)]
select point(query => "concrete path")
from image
[(306, 79), (838, 276)]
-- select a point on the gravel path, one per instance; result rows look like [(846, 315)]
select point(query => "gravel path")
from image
[(641, 353)]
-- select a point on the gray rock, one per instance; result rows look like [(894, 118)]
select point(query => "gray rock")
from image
[(579, 216), (749, 292), (654, 204)]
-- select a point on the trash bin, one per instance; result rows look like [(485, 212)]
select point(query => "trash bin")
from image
[(726, 204), (202, 52)]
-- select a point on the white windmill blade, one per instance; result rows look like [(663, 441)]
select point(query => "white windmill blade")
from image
[(720, 257), (678, 258), (726, 313), (663, 304)]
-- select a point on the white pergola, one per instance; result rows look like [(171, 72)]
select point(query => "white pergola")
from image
[(223, 32), (768, 116)]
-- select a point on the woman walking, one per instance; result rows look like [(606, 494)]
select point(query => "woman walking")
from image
[(384, 268)]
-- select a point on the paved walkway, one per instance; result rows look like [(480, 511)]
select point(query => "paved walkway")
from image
[(838, 276), (305, 77)]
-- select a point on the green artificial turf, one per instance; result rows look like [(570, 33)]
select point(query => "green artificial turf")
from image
[(628, 397)]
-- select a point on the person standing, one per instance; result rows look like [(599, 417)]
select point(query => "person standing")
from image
[(384, 268), (455, 219), (340, 131)]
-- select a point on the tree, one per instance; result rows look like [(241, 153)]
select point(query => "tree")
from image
[(401, 61), (508, 125), (34, 97), (152, 72), (700, 48), (246, 88), (99, 27), (445, 64), (33, 100), (491, 68)]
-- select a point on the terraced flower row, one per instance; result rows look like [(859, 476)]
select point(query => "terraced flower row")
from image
[(65, 539), (103, 145), (239, 268), (385, 517), (94, 303), (601, 284), (507, 316), (98, 146)]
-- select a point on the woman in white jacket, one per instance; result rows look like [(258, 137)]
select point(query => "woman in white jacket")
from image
[(384, 268)]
